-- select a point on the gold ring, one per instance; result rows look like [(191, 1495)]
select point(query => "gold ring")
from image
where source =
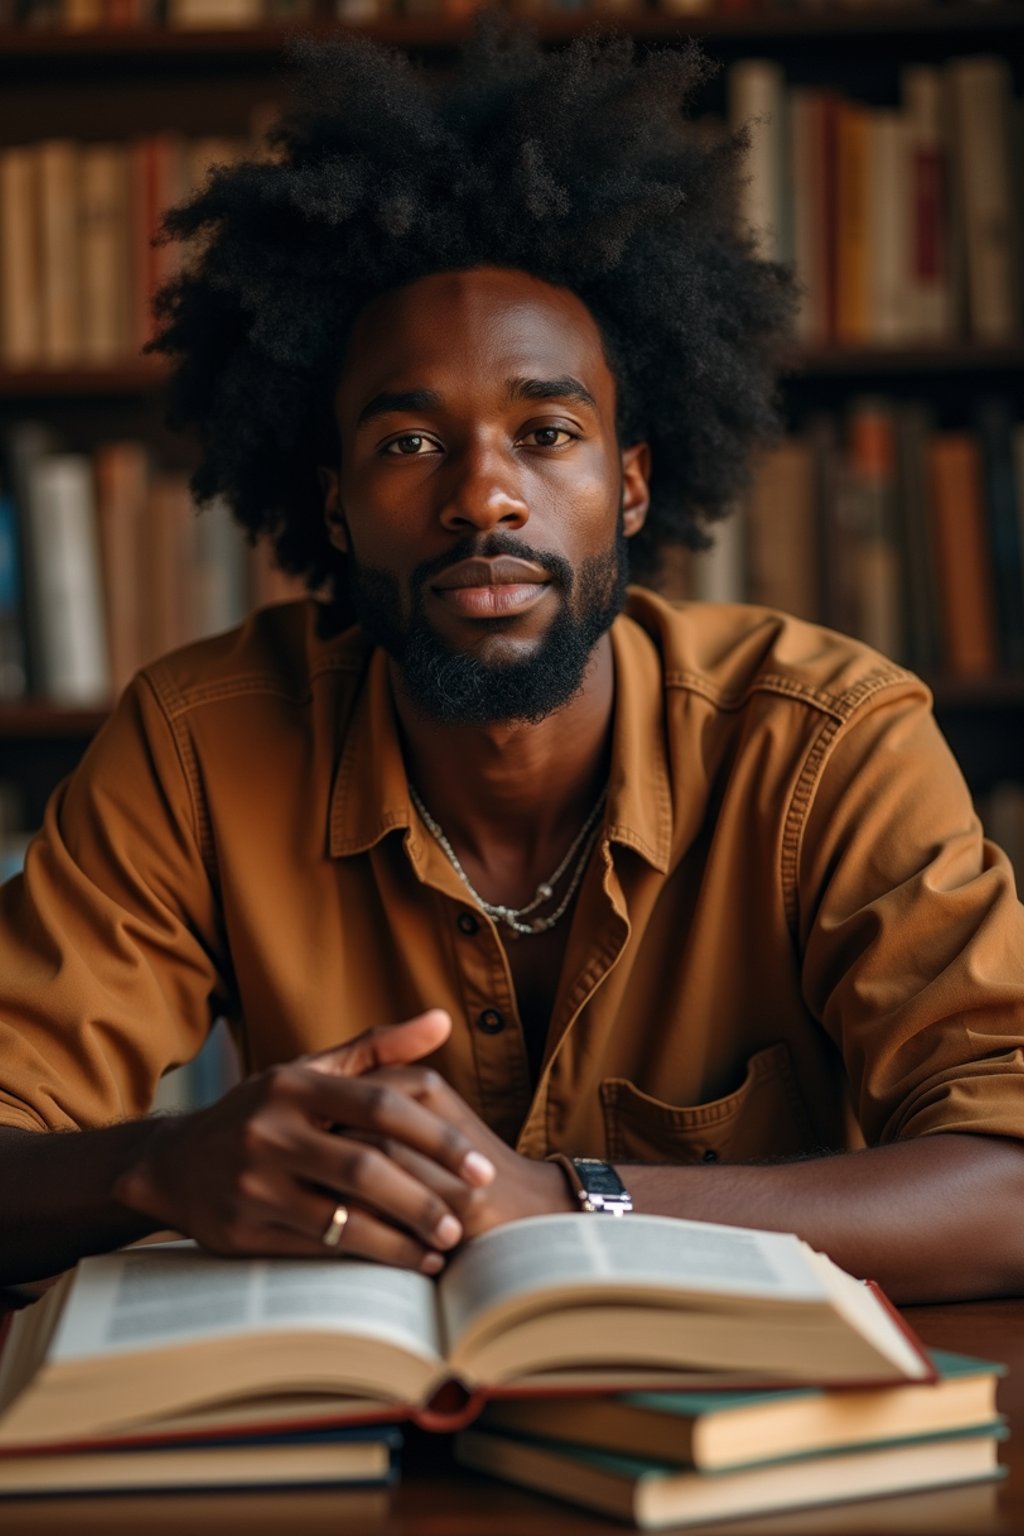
[(335, 1227)]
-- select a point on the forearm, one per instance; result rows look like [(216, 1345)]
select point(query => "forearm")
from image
[(56, 1197), (937, 1219)]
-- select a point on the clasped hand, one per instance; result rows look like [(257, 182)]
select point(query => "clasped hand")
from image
[(263, 1169)]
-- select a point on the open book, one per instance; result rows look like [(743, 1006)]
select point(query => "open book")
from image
[(154, 1341)]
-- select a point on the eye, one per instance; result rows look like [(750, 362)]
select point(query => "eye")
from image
[(548, 437), (411, 445)]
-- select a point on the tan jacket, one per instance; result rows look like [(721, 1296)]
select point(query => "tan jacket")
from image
[(791, 909)]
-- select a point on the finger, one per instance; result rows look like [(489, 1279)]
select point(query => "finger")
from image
[(387, 1045), (275, 1198), (451, 1190), (364, 1237), (352, 1170), (383, 1111)]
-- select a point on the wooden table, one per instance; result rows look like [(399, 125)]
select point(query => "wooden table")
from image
[(437, 1499)]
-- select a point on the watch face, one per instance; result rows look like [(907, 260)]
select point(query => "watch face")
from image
[(600, 1179)]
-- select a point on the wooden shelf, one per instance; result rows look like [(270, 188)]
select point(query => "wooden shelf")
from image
[(1005, 692), (39, 720), (147, 375), (951, 358), (997, 18), (137, 376)]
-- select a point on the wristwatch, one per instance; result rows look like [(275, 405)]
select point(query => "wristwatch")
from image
[(595, 1183)]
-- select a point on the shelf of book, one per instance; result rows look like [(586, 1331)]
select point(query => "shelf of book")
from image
[(782, 25)]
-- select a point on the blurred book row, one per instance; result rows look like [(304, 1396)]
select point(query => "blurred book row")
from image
[(78, 269), (904, 221), (883, 526), (81, 15), (105, 564)]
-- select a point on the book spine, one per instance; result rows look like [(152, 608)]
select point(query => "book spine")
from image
[(782, 531), (59, 251), (13, 677), (807, 152), (853, 234), (966, 599), (913, 428), (890, 221), (20, 292), (122, 473), (104, 253), (220, 578), (993, 423), (877, 567), (930, 300), (756, 101), (718, 574), (68, 594), (169, 564), (981, 95)]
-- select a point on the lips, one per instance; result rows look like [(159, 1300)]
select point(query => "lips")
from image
[(505, 571)]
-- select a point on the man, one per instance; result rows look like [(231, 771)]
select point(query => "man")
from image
[(670, 890)]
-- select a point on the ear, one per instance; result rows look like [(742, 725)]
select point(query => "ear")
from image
[(337, 531), (636, 494)]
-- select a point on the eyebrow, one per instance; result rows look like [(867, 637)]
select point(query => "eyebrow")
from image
[(406, 400), (563, 388), (411, 400)]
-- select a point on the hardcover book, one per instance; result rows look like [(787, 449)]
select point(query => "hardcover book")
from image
[(140, 1342)]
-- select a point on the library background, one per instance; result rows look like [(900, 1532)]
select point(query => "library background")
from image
[(887, 163)]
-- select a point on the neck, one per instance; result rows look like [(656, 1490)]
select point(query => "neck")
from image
[(514, 786)]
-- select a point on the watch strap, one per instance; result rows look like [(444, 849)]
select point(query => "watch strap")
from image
[(595, 1184)]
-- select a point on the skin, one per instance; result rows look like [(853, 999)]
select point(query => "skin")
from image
[(366, 1124)]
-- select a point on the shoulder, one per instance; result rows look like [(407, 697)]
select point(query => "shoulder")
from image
[(277, 654), (736, 655)]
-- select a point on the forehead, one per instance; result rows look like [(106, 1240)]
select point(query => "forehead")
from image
[(483, 326)]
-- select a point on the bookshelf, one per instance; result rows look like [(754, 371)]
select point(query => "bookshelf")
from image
[(120, 84)]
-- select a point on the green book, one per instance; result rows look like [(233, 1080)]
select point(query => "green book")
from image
[(712, 1430), (652, 1494)]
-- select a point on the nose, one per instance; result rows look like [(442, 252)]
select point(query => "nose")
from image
[(483, 491)]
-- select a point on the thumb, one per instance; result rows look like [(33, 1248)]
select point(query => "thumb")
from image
[(389, 1045)]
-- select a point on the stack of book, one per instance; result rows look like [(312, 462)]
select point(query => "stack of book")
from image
[(163, 1367), (689, 1457)]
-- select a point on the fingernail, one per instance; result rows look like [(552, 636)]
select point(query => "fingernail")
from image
[(432, 1264), (447, 1232), (477, 1168)]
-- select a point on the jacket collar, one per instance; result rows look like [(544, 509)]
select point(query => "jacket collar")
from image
[(371, 792)]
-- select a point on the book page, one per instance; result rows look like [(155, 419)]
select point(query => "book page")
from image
[(150, 1298), (587, 1253)]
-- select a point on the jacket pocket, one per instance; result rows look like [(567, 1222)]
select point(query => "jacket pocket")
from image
[(763, 1118)]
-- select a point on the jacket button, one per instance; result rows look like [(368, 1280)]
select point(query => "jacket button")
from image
[(710, 1156), (491, 1021), (467, 923)]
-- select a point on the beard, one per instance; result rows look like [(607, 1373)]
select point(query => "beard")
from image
[(458, 687)]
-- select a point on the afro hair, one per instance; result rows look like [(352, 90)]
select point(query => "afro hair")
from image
[(577, 166)]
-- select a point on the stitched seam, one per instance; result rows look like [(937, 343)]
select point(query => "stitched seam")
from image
[(842, 705), (853, 698), (201, 829), (232, 687)]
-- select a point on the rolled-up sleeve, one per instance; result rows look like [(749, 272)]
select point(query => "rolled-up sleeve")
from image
[(111, 964), (912, 934)]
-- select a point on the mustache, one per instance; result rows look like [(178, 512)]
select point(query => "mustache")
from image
[(493, 544)]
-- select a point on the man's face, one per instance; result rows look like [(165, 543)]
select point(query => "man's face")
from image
[(482, 498)]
